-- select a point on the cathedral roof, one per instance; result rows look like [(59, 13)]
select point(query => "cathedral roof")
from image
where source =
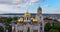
[(39, 8)]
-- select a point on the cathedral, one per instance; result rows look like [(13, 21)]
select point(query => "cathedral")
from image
[(29, 23)]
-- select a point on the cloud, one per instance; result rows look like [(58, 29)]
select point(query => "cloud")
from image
[(26, 1), (46, 6), (8, 9), (54, 11), (5, 2), (10, 6), (20, 2)]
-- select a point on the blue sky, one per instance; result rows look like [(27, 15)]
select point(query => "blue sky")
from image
[(20, 6)]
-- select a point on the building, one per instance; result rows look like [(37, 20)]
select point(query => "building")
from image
[(29, 23)]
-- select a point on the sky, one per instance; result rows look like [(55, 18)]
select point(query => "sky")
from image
[(21, 6)]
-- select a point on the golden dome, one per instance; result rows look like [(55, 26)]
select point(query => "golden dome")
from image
[(20, 20), (27, 14), (34, 19)]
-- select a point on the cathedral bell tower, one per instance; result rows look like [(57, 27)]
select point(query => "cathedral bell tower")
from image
[(39, 13), (40, 19)]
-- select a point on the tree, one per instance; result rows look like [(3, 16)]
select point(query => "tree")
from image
[(56, 25), (47, 27), (6, 22), (1, 29), (15, 18), (53, 30)]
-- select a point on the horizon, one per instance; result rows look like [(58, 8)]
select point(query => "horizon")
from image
[(29, 12)]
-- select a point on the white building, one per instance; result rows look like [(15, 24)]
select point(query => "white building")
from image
[(27, 23)]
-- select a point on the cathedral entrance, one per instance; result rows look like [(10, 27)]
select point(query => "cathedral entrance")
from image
[(35, 30), (20, 31), (28, 29)]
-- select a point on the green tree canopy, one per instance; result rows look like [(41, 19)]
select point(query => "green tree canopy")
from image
[(47, 26), (53, 30), (56, 25)]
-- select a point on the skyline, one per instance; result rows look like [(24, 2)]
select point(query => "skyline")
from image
[(20, 6)]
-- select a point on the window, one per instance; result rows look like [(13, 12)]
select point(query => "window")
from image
[(40, 28), (41, 23)]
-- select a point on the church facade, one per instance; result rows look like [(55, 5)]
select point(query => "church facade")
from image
[(29, 23)]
